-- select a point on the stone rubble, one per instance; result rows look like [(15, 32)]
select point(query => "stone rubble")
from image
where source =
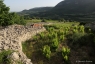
[(11, 38)]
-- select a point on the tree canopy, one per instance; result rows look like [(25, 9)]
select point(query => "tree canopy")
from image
[(7, 18)]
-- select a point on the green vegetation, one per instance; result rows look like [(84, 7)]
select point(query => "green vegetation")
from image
[(74, 10), (65, 53), (59, 44), (7, 18), (33, 20), (39, 20), (65, 41), (54, 43), (4, 57), (35, 10), (43, 20), (46, 51)]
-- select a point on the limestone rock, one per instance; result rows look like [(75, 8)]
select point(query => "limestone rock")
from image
[(14, 56), (12, 37)]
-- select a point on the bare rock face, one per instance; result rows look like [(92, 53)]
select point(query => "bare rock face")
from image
[(11, 38)]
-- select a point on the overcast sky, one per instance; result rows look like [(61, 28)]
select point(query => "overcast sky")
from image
[(19, 5)]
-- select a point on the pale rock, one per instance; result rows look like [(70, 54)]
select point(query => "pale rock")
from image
[(6, 48), (12, 37), (14, 56)]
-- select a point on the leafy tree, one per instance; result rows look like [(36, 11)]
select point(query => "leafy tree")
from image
[(17, 19), (7, 18), (4, 11)]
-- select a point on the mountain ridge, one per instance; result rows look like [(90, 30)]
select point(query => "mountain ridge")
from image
[(80, 10), (76, 6), (35, 10)]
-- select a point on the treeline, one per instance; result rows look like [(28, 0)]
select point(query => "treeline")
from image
[(59, 16), (7, 18)]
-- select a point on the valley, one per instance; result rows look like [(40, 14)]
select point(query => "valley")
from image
[(60, 34)]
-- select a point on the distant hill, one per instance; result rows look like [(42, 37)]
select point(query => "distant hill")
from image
[(80, 10), (75, 6), (35, 10)]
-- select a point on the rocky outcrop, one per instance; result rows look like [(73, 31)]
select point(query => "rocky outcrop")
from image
[(11, 38)]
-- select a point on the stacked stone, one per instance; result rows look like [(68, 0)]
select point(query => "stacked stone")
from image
[(11, 38)]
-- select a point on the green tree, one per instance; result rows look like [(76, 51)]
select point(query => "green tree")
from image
[(7, 18), (4, 11), (16, 19)]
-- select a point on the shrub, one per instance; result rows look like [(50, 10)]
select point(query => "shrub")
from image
[(35, 38), (54, 44), (82, 23), (88, 30), (62, 37), (77, 36), (16, 19), (3, 57), (46, 51), (81, 29), (65, 53), (42, 35), (43, 20)]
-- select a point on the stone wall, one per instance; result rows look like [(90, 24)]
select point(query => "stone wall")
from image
[(12, 37)]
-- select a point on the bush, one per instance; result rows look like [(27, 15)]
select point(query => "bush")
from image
[(7, 18), (46, 51), (77, 36), (65, 53), (82, 23), (16, 19), (3, 57), (81, 29), (43, 20), (62, 37), (54, 44), (42, 35)]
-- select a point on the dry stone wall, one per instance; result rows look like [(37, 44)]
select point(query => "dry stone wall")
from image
[(11, 38)]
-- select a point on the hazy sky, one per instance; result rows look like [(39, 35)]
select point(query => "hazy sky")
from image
[(19, 5)]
